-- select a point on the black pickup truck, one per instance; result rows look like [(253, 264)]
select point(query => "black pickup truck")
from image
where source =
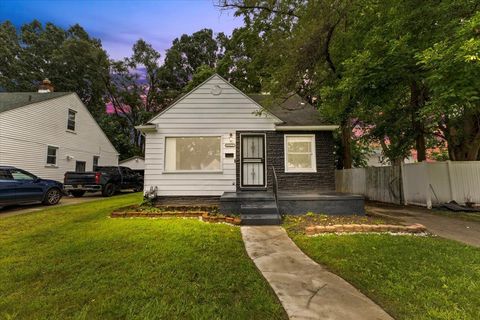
[(108, 180)]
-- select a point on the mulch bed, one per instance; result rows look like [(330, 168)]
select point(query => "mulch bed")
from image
[(299, 223), (356, 228), (206, 214)]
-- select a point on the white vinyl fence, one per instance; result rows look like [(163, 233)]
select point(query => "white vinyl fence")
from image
[(424, 183)]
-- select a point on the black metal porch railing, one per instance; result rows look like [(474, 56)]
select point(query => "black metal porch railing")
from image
[(275, 189)]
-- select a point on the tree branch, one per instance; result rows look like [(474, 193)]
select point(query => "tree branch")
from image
[(226, 5)]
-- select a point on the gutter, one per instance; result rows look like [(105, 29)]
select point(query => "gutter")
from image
[(146, 128), (307, 128)]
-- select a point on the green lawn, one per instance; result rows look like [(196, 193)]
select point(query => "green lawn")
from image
[(75, 262), (468, 216), (410, 277)]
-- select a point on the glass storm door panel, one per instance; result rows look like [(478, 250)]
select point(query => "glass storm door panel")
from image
[(253, 160)]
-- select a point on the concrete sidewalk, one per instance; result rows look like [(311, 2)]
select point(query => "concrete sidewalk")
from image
[(452, 228), (305, 289)]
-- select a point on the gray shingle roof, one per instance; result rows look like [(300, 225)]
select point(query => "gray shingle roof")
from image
[(292, 110), (13, 100)]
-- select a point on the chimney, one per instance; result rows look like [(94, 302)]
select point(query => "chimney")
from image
[(45, 87)]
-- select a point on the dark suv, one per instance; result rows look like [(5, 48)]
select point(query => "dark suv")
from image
[(18, 186)]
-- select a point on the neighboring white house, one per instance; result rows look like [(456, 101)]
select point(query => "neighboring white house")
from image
[(49, 133), (136, 163)]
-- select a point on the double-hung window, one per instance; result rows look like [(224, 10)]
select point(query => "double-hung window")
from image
[(190, 154), (300, 153), (52, 155), (71, 119)]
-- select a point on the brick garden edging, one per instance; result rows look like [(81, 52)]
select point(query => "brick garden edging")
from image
[(357, 228), (205, 216), (132, 214), (215, 219)]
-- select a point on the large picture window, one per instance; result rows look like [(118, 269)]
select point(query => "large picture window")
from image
[(300, 153), (192, 154)]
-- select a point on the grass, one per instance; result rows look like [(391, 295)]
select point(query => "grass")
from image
[(411, 277), (74, 262), (468, 216)]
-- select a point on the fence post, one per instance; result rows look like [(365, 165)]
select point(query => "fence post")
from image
[(403, 186), (428, 195), (450, 184)]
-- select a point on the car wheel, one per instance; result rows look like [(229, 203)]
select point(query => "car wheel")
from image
[(138, 188), (108, 190), (52, 197), (77, 193)]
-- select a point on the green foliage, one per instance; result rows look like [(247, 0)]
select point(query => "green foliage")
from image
[(387, 64), (71, 59), (75, 262), (410, 277)]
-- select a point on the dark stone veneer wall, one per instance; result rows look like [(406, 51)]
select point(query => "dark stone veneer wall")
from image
[(321, 181)]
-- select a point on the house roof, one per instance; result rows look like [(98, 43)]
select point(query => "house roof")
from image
[(131, 158), (292, 110), (13, 100)]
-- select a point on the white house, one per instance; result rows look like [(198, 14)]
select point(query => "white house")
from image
[(136, 163), (49, 133)]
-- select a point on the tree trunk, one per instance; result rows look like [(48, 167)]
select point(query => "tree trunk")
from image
[(417, 101), (463, 137)]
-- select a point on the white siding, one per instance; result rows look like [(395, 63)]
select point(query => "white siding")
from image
[(202, 113), (26, 132)]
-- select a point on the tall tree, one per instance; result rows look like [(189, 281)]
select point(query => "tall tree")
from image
[(361, 60), (183, 58), (453, 75), (70, 58), (134, 99)]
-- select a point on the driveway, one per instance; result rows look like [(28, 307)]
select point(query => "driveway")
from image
[(447, 227), (66, 200)]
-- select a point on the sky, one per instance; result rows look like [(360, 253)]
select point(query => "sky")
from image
[(118, 24)]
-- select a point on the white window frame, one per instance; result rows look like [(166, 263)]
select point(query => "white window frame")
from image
[(313, 157), (56, 156), (192, 136), (74, 120)]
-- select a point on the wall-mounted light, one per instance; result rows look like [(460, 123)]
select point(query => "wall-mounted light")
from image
[(70, 157)]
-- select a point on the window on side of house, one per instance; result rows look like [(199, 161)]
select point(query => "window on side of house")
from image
[(300, 153), (184, 154), (71, 119), (52, 155), (95, 162)]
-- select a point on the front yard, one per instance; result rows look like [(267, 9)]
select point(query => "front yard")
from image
[(411, 277), (75, 262)]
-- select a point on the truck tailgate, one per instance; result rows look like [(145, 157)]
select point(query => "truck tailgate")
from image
[(79, 178)]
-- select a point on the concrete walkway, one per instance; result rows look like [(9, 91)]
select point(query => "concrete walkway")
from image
[(305, 289), (447, 227)]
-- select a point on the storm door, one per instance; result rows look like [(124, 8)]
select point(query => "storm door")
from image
[(252, 160)]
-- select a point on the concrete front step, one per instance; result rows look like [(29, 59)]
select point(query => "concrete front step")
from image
[(260, 219), (264, 207)]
